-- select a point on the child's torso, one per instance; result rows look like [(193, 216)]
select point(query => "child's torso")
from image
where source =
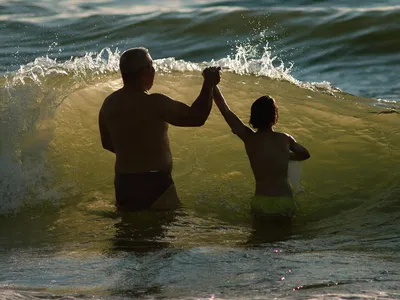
[(268, 153)]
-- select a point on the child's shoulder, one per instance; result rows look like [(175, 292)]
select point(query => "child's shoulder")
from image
[(283, 134), (287, 137)]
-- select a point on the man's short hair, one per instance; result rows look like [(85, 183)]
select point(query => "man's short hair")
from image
[(132, 61)]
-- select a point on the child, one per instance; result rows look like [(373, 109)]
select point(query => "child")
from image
[(269, 153)]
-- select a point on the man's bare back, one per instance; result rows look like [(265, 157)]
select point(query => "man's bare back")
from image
[(139, 136)]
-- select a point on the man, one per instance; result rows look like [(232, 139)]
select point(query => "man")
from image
[(134, 125)]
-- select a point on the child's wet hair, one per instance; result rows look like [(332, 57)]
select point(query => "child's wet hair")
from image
[(264, 113)]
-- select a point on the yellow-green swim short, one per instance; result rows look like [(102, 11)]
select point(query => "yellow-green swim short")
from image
[(273, 206)]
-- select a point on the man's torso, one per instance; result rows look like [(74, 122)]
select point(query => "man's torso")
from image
[(139, 138)]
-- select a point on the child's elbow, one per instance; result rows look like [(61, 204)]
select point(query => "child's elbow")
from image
[(306, 155)]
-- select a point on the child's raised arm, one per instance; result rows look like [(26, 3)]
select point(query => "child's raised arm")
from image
[(237, 126)]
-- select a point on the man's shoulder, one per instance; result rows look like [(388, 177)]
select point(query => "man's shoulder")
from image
[(110, 98), (157, 97), (159, 102)]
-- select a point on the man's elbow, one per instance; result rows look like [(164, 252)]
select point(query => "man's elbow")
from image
[(198, 120)]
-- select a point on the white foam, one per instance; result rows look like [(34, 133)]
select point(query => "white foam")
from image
[(247, 59), (91, 64)]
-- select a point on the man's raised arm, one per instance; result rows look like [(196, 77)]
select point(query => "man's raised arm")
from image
[(180, 114)]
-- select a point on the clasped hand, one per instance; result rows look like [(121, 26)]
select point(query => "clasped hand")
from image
[(212, 75)]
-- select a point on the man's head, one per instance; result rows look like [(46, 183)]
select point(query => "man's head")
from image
[(264, 113), (136, 67)]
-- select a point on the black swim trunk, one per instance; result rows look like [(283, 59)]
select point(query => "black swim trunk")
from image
[(139, 191)]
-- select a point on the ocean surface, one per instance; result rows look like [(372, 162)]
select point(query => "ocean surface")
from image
[(332, 66)]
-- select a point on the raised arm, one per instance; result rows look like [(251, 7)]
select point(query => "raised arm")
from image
[(297, 151), (180, 114), (237, 126)]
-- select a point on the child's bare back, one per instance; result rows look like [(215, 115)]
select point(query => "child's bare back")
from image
[(268, 153)]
